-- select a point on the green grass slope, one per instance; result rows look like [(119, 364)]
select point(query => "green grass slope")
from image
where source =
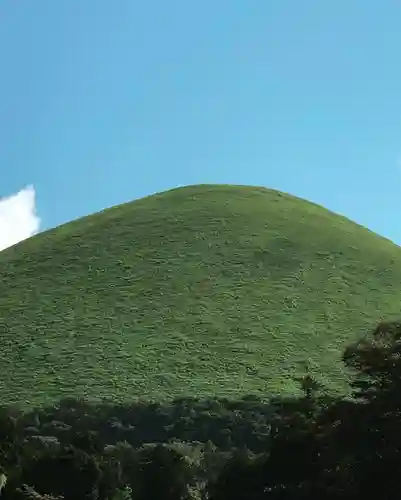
[(202, 290)]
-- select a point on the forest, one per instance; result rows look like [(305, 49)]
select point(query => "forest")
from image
[(311, 446)]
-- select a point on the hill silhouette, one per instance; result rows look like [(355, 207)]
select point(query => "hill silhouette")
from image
[(202, 290)]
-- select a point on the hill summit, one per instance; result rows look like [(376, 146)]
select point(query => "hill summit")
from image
[(204, 290)]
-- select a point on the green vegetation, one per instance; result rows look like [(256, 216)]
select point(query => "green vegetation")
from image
[(204, 290), (295, 448)]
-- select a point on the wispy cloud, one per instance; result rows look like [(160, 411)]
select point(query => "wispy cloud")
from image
[(18, 218)]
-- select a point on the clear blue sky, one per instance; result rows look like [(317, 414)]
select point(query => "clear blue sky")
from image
[(103, 102)]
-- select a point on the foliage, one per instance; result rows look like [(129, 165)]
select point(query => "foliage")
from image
[(311, 446)]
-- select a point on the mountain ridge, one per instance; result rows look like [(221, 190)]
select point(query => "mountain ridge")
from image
[(200, 290)]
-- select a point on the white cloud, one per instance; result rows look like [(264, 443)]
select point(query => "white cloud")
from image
[(18, 219)]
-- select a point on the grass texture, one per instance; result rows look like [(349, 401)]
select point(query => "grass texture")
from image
[(204, 290)]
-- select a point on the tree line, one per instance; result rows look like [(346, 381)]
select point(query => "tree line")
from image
[(306, 447)]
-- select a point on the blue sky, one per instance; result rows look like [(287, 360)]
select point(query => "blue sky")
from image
[(103, 102)]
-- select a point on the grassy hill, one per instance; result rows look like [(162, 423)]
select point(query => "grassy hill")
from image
[(222, 290)]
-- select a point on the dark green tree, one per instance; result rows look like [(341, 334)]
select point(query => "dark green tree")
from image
[(163, 474), (376, 361), (68, 472)]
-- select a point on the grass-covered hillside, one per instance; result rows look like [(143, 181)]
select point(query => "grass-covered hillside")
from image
[(202, 290)]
